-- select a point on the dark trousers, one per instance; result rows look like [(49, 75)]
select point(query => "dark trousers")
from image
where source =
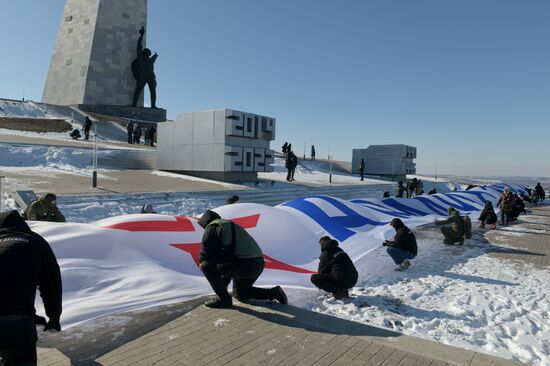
[(130, 138), (289, 174), (243, 272), (329, 283), (398, 255), (488, 219), (86, 134), (505, 217), (136, 140), (362, 174), (18, 341)]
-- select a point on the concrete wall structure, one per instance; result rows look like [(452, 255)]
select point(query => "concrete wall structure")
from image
[(95, 47), (395, 161), (220, 144)]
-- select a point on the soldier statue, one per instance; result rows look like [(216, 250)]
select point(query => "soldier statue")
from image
[(143, 69)]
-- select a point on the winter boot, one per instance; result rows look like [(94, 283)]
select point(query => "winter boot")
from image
[(278, 294), (493, 226), (219, 303), (403, 266), (482, 225), (341, 294)]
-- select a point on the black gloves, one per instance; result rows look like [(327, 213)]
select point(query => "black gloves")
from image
[(39, 320), (53, 324)]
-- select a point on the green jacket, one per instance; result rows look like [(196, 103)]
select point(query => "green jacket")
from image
[(245, 245), (455, 222), (41, 211)]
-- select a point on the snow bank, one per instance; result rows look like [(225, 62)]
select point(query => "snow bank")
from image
[(315, 173)]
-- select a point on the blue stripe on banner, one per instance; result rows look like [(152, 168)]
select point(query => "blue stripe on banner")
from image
[(338, 226)]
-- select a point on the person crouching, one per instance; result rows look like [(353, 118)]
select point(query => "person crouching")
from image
[(228, 253), (488, 216), (403, 247), (337, 273)]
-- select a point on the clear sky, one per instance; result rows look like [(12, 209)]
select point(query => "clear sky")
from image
[(467, 82)]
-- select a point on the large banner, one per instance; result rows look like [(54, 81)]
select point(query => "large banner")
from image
[(135, 261)]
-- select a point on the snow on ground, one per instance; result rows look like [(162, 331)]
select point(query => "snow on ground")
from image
[(10, 108), (315, 173), (29, 158), (454, 295), (87, 209)]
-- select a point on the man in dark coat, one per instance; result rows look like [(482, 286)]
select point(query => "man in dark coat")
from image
[(228, 253), (130, 130), (288, 166), (26, 263), (44, 209), (506, 204), (152, 132), (400, 190), (488, 216), (518, 208), (75, 134), (362, 169), (294, 161), (337, 273), (540, 192), (403, 247), (137, 133), (312, 152), (87, 128)]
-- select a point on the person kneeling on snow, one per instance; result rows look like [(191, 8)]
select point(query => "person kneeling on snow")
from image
[(45, 209), (228, 253), (455, 232), (403, 246), (337, 273), (488, 216)]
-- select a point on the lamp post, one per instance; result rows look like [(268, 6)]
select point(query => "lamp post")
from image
[(94, 158), (330, 166), (1, 193)]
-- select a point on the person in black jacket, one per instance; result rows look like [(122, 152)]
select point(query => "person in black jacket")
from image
[(488, 216), (228, 253), (294, 160), (403, 246), (130, 131), (362, 169), (337, 273), (26, 263), (87, 128), (152, 132)]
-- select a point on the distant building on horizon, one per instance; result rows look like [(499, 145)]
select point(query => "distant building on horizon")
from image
[(392, 161)]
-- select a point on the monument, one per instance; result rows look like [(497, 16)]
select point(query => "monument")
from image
[(91, 66), (392, 161), (222, 144)]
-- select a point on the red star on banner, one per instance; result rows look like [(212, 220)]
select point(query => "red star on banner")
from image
[(183, 224)]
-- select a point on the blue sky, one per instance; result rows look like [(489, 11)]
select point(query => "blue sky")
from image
[(467, 82)]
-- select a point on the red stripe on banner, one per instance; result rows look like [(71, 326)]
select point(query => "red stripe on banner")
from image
[(270, 263), (181, 224), (247, 222)]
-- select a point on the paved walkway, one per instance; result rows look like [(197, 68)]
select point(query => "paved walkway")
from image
[(533, 246)]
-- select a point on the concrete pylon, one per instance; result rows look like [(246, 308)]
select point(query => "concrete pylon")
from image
[(95, 47)]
